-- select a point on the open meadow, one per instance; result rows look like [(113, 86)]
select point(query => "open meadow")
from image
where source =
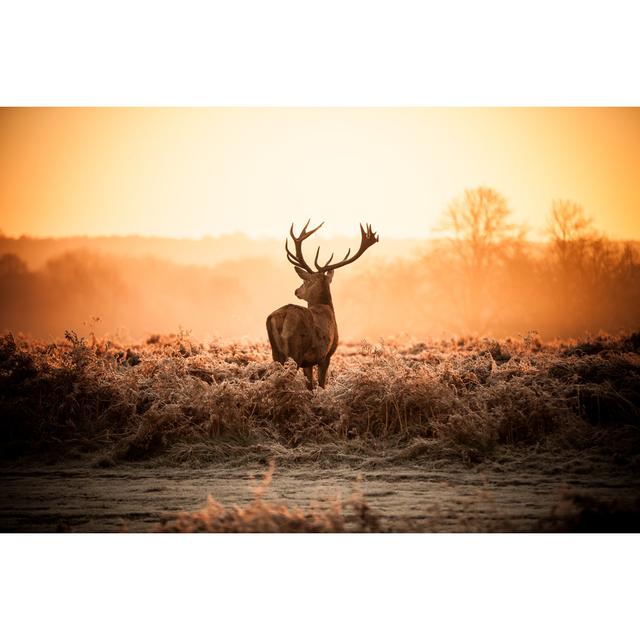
[(460, 435)]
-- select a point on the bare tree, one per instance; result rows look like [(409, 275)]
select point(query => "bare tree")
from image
[(481, 229), (570, 231), (12, 266), (482, 236), (589, 269)]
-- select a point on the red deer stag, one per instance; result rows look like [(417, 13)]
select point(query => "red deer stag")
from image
[(310, 336)]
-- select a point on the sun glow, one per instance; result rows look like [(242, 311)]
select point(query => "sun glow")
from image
[(195, 172)]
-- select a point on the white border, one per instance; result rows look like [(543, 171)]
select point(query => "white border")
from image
[(315, 586), (330, 53)]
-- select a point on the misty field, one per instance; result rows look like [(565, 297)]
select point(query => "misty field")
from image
[(466, 434)]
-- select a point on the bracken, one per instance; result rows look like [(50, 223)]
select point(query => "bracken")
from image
[(190, 402)]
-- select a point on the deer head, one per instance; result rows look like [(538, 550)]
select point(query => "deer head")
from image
[(315, 285)]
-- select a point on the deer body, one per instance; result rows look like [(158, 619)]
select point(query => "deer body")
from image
[(309, 335)]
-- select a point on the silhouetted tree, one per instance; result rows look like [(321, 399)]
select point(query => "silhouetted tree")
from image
[(12, 266), (570, 231), (482, 237), (590, 274), (480, 226)]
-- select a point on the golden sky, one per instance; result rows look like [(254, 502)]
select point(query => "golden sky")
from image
[(191, 172)]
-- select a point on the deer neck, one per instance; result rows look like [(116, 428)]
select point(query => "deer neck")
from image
[(322, 298)]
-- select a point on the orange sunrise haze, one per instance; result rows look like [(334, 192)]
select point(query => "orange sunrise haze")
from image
[(195, 172)]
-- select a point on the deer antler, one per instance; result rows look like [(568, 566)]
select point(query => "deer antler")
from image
[(298, 260), (368, 239)]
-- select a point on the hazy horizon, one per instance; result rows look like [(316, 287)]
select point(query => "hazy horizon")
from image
[(268, 238), (220, 236)]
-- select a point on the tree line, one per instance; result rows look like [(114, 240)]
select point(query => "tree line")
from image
[(484, 277)]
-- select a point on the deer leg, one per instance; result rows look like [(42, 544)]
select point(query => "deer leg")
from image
[(308, 371), (277, 356), (323, 368), (275, 340)]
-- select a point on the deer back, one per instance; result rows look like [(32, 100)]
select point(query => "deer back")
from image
[(308, 336)]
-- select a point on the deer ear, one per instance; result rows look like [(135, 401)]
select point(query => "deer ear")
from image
[(302, 273), (329, 275)]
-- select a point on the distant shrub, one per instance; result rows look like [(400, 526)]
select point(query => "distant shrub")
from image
[(583, 513)]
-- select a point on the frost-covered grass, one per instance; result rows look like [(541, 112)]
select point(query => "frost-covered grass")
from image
[(180, 401), (574, 512), (328, 515)]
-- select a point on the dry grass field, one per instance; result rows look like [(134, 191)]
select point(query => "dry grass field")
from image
[(460, 435)]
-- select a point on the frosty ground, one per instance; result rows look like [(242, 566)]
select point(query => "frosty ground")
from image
[(452, 435)]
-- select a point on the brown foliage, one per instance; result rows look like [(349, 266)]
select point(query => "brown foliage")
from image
[(264, 516), (583, 513), (189, 402)]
